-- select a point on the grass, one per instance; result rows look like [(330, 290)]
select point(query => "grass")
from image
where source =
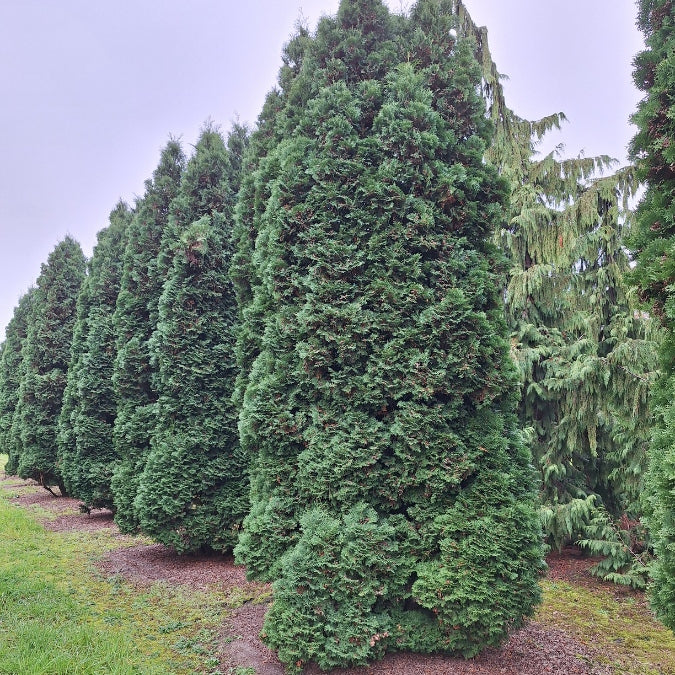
[(60, 616)]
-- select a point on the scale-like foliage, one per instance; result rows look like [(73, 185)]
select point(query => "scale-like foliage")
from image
[(259, 169), (11, 371), (86, 451), (134, 321), (392, 499), (653, 149), (193, 492), (46, 355)]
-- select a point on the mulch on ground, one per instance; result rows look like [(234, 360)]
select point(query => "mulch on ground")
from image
[(533, 650)]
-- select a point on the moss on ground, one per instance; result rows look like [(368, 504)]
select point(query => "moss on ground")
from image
[(615, 622)]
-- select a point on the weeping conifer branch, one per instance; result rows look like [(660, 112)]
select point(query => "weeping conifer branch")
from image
[(586, 354)]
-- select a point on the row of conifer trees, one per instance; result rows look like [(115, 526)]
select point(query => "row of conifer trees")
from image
[(295, 344)]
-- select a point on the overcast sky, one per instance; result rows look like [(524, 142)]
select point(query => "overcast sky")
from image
[(90, 92)]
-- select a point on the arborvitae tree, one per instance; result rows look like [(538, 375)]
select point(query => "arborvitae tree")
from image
[(134, 321), (193, 493), (11, 371), (259, 169), (65, 437), (86, 451), (46, 353), (392, 495), (653, 149)]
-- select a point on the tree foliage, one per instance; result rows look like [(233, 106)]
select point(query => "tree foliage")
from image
[(46, 355), (11, 372), (653, 149), (86, 452), (193, 492), (134, 321), (392, 497), (586, 354)]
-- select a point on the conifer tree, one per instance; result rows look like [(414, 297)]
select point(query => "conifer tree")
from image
[(653, 149), (46, 355), (86, 451), (586, 355), (193, 492), (134, 321), (392, 495), (11, 370), (259, 168), (65, 437)]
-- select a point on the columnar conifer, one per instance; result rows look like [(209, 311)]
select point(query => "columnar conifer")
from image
[(46, 355), (653, 149), (392, 496), (193, 492), (86, 451), (134, 321), (259, 168), (11, 370)]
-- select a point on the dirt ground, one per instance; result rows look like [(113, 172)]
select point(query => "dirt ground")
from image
[(533, 650)]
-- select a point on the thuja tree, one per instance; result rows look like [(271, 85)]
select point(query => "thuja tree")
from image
[(46, 354), (86, 451), (259, 168), (11, 370), (653, 149), (392, 496), (193, 492), (134, 321)]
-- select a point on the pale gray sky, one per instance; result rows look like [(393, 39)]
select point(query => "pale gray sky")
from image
[(91, 91)]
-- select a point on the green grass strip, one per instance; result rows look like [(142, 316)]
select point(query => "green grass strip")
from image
[(58, 616)]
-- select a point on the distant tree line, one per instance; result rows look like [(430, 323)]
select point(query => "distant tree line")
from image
[(378, 346)]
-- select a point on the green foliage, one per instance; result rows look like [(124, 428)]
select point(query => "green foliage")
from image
[(586, 354), (661, 506), (193, 491), (379, 409), (623, 545), (134, 321), (329, 606), (653, 149), (46, 355), (85, 443), (11, 372)]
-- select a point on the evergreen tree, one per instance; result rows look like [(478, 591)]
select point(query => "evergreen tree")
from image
[(11, 371), (193, 492), (134, 321), (586, 355), (86, 450), (46, 355), (259, 168), (392, 499), (65, 437), (653, 149)]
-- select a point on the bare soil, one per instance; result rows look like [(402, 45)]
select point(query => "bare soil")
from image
[(535, 649)]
